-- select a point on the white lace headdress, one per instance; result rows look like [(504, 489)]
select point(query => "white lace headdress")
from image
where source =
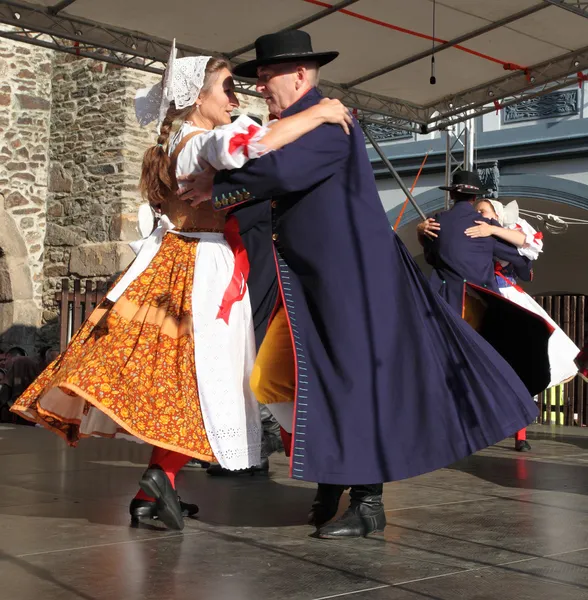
[(182, 81), (507, 215)]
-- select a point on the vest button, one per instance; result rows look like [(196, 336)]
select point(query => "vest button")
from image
[(275, 237), (274, 204)]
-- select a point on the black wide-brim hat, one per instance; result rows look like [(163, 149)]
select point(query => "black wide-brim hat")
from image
[(466, 182), (281, 47)]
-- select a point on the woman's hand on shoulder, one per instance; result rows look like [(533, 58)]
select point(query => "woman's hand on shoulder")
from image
[(334, 111), (482, 229)]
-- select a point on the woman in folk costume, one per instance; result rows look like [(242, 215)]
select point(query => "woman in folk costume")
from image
[(562, 350), (166, 357)]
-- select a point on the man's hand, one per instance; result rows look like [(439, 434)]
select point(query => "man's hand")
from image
[(482, 229), (196, 188), (429, 228)]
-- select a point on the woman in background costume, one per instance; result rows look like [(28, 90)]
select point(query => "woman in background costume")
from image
[(562, 350)]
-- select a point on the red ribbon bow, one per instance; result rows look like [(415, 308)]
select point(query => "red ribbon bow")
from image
[(241, 140), (238, 285)]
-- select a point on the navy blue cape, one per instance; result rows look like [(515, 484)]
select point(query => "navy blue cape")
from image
[(391, 382)]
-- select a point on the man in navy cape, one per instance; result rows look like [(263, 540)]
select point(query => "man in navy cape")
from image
[(388, 381), (463, 274)]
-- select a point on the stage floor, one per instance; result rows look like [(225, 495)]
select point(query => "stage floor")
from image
[(498, 526)]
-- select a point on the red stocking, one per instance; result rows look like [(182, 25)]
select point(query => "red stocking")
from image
[(157, 455), (172, 463), (521, 435)]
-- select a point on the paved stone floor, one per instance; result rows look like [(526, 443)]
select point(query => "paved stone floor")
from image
[(499, 525)]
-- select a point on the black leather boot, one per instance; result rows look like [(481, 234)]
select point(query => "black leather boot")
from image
[(364, 516), (326, 504)]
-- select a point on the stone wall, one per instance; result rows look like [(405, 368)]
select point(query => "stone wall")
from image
[(96, 148), (25, 108)]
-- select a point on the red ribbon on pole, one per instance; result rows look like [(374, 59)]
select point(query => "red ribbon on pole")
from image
[(238, 285), (411, 191)]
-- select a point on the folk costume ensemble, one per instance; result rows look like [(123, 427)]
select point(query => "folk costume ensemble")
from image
[(158, 360), (463, 274), (388, 381)]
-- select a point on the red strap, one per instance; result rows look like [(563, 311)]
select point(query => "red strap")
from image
[(287, 441), (241, 140), (238, 285), (498, 271)]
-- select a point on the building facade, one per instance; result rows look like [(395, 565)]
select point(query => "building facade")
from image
[(535, 152)]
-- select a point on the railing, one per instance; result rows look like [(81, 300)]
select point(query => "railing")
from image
[(76, 306), (566, 404)]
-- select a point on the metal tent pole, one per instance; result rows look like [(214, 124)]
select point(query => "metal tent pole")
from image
[(392, 170), (448, 166)]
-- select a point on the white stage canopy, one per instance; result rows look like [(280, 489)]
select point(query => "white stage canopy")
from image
[(488, 53)]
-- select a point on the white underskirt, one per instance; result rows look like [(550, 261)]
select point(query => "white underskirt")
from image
[(561, 349)]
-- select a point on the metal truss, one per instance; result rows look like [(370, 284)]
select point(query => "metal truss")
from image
[(459, 151), (54, 29), (544, 78), (48, 28), (576, 6)]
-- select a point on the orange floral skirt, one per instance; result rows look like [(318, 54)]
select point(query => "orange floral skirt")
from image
[(130, 368)]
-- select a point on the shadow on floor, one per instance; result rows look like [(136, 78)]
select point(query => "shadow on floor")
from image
[(526, 474)]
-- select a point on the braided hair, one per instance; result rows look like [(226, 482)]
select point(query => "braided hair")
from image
[(156, 183)]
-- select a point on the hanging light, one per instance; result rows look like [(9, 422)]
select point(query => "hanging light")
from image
[(433, 79)]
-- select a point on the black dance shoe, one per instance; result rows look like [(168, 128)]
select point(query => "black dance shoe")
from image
[(147, 509), (522, 446), (155, 483)]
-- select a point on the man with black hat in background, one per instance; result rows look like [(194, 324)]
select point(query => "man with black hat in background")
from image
[(463, 274), (364, 355), (458, 259)]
